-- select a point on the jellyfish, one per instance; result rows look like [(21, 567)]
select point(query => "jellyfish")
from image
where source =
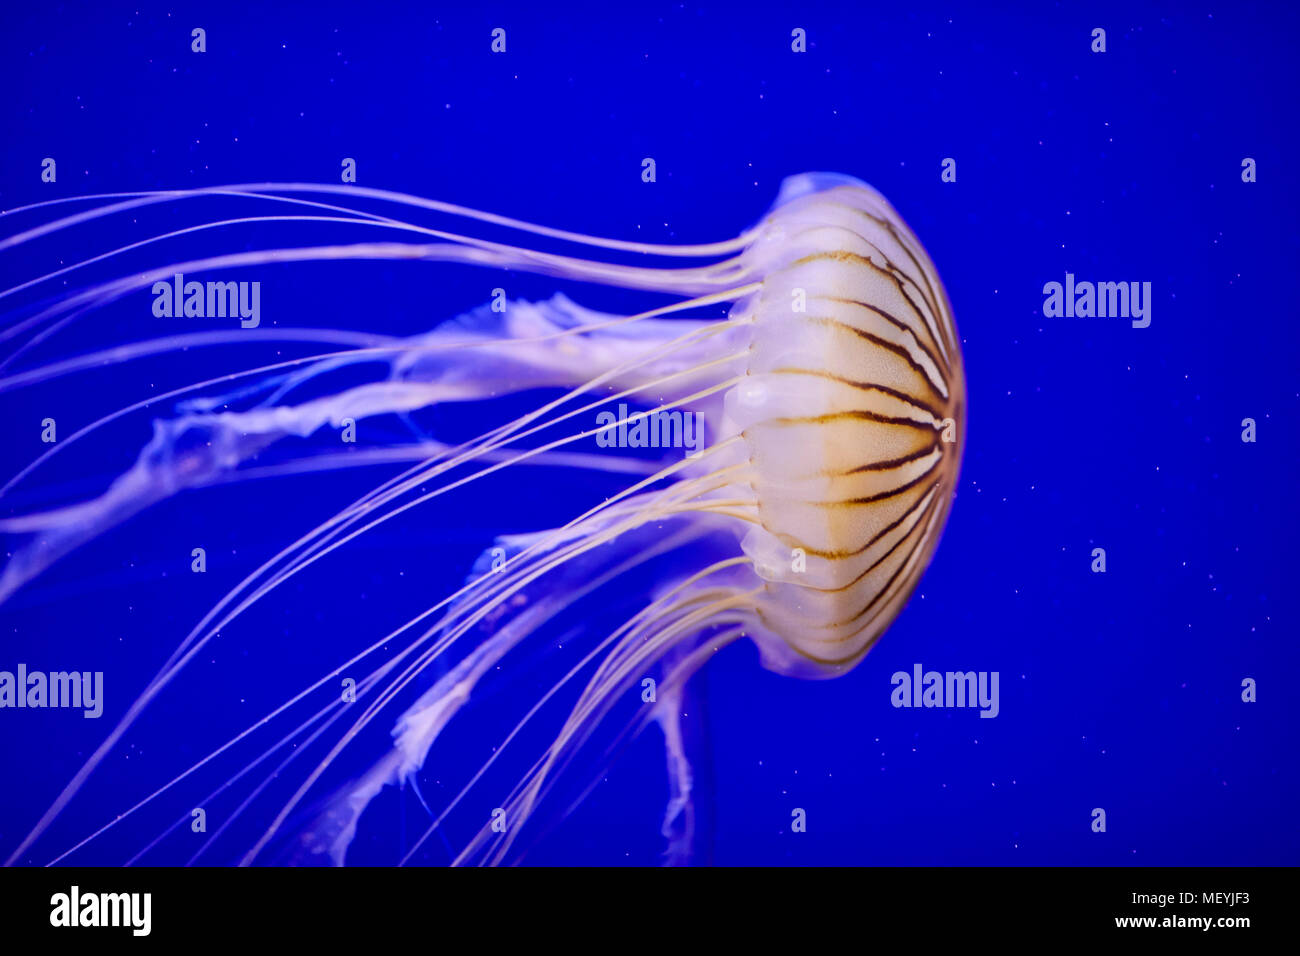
[(814, 356)]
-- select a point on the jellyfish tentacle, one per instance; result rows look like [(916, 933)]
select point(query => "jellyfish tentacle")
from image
[(438, 705), (182, 655), (364, 686), (726, 272), (121, 728), (85, 430), (362, 353), (268, 190), (234, 438), (408, 481), (454, 248), (423, 451), (652, 550), (354, 216), (690, 281), (207, 227), (368, 346), (58, 324), (704, 648), (420, 726), (240, 434), (638, 649), (366, 682), (363, 342), (681, 825), (416, 730)]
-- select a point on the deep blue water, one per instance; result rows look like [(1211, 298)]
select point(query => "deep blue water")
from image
[(1120, 691)]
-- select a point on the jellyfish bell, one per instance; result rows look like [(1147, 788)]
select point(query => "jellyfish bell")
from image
[(854, 372), (833, 400)]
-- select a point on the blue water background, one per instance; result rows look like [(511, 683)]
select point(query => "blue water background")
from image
[(1119, 691)]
